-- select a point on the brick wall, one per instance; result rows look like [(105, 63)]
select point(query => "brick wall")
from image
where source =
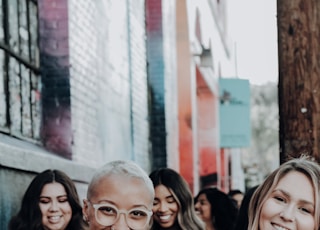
[(84, 80), (108, 81), (95, 96), (138, 83)]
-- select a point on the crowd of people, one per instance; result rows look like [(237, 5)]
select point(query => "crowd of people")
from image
[(287, 199)]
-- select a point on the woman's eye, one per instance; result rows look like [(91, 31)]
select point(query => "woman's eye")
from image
[(107, 209), (279, 198), (171, 200), (44, 201), (305, 210), (63, 200), (137, 213)]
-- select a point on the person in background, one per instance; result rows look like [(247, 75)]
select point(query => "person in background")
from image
[(50, 202), (173, 207), (288, 198), (216, 209), (119, 187), (237, 196), (242, 219)]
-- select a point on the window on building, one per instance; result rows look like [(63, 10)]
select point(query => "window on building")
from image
[(20, 82)]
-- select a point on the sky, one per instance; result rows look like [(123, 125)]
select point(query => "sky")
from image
[(253, 27)]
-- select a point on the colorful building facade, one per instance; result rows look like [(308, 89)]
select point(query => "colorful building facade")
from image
[(135, 80)]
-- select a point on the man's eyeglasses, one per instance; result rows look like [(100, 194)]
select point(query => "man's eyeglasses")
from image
[(108, 214)]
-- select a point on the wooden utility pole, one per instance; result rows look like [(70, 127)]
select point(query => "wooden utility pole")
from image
[(299, 77)]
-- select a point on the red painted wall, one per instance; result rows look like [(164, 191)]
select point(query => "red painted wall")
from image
[(207, 131)]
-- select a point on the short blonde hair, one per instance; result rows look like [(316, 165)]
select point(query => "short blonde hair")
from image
[(120, 167)]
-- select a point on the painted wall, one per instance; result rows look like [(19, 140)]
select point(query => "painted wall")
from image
[(204, 54), (162, 80), (94, 94), (208, 134)]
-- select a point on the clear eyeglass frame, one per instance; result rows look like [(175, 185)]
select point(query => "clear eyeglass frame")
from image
[(119, 212)]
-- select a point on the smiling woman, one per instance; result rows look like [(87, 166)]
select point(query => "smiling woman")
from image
[(288, 198), (51, 202), (173, 206), (119, 187)]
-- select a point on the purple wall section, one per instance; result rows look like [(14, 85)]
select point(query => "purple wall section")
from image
[(54, 57)]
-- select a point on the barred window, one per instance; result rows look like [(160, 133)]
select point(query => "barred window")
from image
[(20, 82)]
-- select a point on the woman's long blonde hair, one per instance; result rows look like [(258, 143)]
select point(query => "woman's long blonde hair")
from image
[(303, 164)]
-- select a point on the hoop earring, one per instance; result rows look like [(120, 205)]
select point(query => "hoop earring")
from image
[(85, 218)]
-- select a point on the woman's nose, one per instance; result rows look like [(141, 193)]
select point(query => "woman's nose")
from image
[(163, 207), (288, 213), (53, 206), (121, 223)]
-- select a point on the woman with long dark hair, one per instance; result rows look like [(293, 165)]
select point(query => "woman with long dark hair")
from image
[(50, 202), (216, 209), (173, 206)]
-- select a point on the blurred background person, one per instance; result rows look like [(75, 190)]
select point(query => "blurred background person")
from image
[(237, 196), (216, 209), (50, 202), (173, 206), (242, 219)]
